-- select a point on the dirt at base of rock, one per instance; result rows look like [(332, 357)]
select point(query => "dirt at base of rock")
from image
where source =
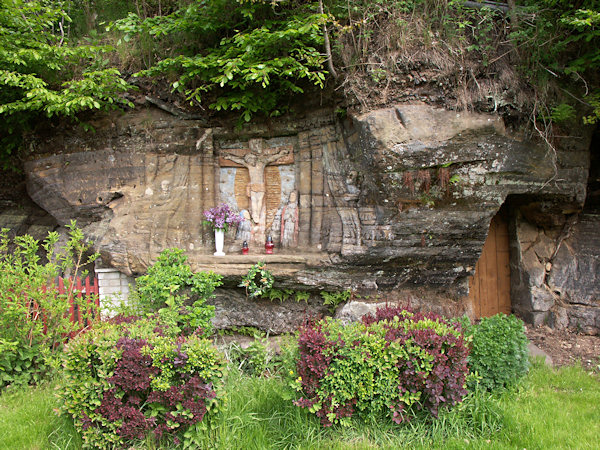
[(566, 347)]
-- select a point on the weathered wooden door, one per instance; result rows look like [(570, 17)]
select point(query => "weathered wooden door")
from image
[(489, 288)]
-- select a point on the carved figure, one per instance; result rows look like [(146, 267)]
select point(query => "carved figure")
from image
[(256, 161), (289, 222), (244, 231)]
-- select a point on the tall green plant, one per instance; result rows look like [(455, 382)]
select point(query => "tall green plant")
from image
[(174, 291), (499, 356), (34, 319), (42, 74)]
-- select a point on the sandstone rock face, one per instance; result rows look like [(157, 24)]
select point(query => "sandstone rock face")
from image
[(557, 280), (393, 199)]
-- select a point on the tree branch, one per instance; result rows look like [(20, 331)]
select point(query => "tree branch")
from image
[(174, 110), (327, 44)]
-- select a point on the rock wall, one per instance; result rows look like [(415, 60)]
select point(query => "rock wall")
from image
[(391, 200), (557, 274)]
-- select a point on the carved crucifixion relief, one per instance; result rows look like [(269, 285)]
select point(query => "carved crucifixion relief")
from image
[(256, 159)]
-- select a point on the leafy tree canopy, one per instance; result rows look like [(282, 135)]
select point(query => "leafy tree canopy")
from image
[(42, 74), (254, 56), (250, 54)]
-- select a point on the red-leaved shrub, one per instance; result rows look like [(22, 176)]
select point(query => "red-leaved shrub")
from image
[(126, 381), (394, 363)]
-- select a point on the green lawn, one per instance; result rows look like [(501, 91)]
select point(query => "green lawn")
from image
[(552, 409)]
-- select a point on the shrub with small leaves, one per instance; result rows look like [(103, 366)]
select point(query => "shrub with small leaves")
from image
[(499, 354), (255, 359), (178, 294), (392, 364), (130, 380), (34, 317)]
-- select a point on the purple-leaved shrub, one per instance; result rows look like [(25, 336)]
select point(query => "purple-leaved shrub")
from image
[(392, 364), (132, 379)]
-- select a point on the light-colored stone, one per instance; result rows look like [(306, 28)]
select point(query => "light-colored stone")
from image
[(544, 247), (527, 233), (111, 282), (537, 352), (541, 299), (535, 270), (560, 318), (353, 311), (105, 276)]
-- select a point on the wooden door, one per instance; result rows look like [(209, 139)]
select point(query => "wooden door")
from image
[(489, 288)]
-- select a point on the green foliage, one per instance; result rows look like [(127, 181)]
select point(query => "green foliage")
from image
[(258, 281), (179, 295), (302, 296), (34, 319), (382, 367), (333, 299), (562, 113), (42, 74), (558, 44), (279, 294), (286, 294), (244, 331), (124, 381), (556, 408), (20, 365), (251, 54), (261, 359), (499, 354), (254, 359), (594, 102)]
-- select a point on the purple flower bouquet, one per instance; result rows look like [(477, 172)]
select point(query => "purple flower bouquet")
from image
[(220, 217)]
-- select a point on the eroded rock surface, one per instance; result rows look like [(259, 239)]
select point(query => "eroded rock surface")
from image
[(396, 198), (233, 309), (557, 273)]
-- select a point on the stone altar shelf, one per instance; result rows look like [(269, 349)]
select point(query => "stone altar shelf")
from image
[(278, 264)]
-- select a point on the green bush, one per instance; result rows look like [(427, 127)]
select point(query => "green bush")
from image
[(34, 319), (126, 382), (393, 364), (499, 355), (176, 293), (256, 359), (333, 299)]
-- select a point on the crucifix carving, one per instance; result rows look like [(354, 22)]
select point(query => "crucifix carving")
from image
[(256, 159)]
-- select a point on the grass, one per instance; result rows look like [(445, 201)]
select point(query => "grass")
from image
[(551, 409), (27, 421)]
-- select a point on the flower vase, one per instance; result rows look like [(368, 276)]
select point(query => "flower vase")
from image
[(219, 240)]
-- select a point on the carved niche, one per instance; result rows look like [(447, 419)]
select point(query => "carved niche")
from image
[(258, 176)]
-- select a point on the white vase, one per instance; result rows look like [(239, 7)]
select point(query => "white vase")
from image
[(219, 240)]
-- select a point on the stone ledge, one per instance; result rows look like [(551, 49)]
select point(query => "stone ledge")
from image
[(278, 264)]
